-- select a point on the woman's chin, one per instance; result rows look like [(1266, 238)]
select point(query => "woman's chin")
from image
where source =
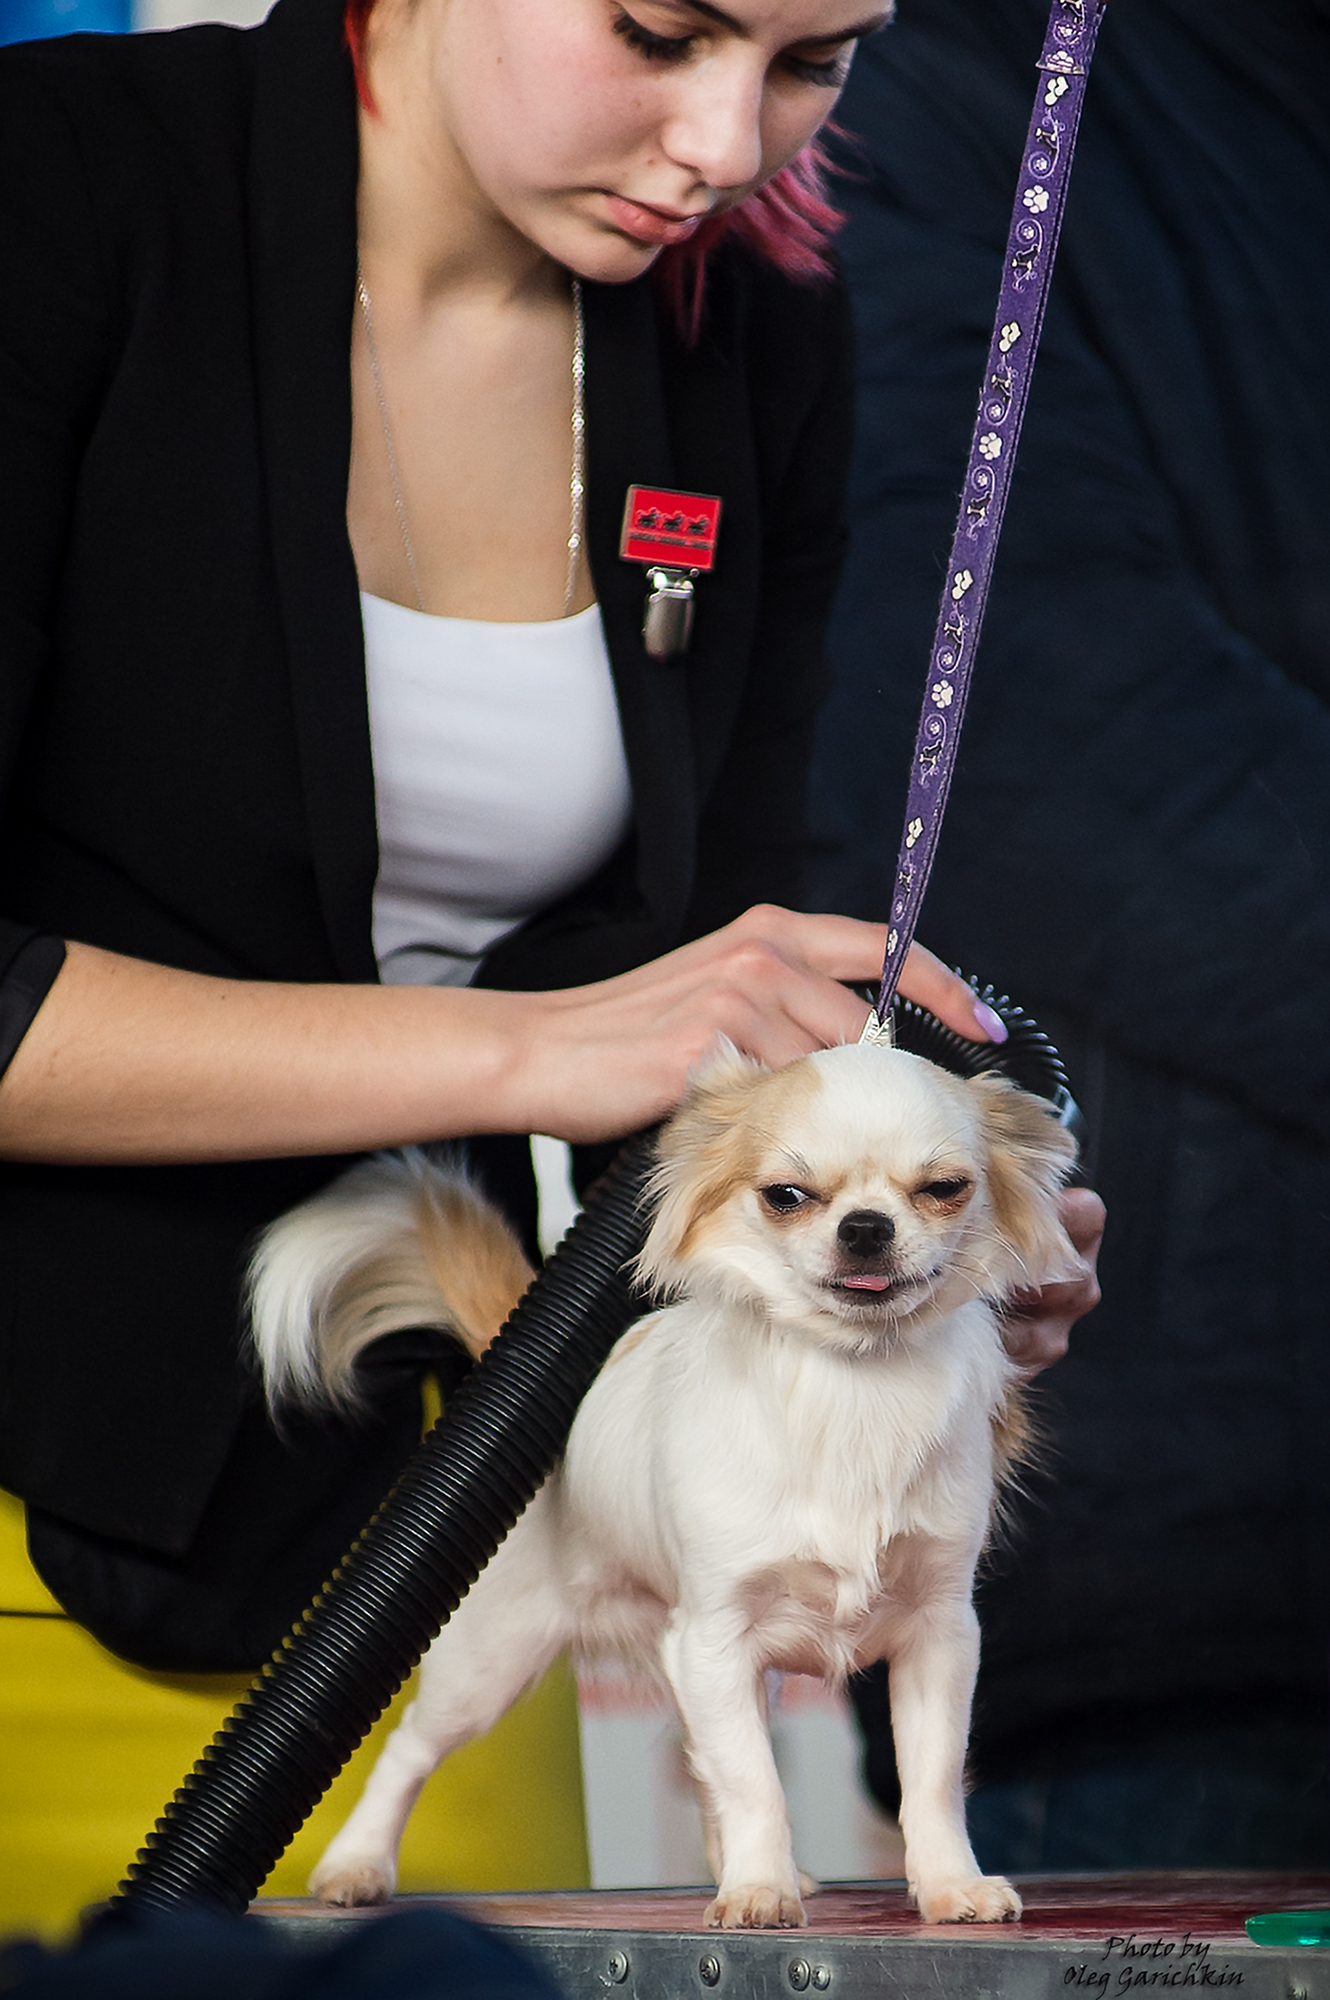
[(606, 257), (589, 245)]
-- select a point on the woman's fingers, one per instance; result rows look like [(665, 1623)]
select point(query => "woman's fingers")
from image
[(1083, 1216), (772, 982), (929, 983), (845, 949), (793, 1006), (842, 948), (1036, 1326)]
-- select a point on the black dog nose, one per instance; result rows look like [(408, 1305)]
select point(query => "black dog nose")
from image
[(866, 1233)]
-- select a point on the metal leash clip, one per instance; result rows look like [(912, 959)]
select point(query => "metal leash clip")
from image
[(879, 1034)]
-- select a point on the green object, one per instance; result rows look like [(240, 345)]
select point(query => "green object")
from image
[(1288, 1927)]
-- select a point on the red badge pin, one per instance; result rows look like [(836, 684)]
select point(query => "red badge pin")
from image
[(674, 534), (679, 529)]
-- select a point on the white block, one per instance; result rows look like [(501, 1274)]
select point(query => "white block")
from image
[(643, 1824), (559, 1206), (184, 13)]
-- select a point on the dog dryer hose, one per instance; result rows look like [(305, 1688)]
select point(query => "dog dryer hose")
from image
[(321, 1694), (461, 1492)]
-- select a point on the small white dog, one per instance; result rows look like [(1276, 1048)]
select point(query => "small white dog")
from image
[(793, 1466)]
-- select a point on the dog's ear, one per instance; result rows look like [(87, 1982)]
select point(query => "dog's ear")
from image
[(705, 1152), (1030, 1156)]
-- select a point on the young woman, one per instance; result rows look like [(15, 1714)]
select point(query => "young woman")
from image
[(331, 749)]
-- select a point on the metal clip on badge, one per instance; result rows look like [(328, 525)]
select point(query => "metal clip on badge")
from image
[(674, 534), (668, 623)]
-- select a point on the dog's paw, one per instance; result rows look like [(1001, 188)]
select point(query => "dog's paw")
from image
[(978, 1899), (809, 1885), (352, 1885), (756, 1907)]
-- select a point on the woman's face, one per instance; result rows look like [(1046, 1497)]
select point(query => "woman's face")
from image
[(602, 131)]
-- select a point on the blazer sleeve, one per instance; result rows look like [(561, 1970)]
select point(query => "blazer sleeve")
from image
[(53, 339), (1140, 830)]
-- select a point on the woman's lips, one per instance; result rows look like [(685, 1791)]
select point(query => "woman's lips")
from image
[(649, 225)]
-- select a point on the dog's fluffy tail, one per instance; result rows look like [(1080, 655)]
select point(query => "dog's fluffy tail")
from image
[(399, 1241)]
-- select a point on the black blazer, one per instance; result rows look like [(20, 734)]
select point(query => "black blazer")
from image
[(184, 749)]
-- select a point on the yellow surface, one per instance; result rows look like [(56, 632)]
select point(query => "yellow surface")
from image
[(91, 1750)]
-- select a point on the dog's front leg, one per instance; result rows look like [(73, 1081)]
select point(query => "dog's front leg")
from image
[(718, 1686), (934, 1660), (501, 1638)]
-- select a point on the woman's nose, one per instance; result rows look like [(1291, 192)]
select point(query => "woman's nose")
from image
[(715, 126)]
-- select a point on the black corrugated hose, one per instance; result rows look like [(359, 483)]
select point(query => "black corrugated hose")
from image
[(317, 1699), (461, 1492)]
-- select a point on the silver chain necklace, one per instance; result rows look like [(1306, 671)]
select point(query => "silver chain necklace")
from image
[(576, 483)]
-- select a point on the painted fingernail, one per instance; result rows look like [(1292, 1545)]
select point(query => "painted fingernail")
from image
[(990, 1025)]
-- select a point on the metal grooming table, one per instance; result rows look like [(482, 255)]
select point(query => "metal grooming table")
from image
[(1086, 1937)]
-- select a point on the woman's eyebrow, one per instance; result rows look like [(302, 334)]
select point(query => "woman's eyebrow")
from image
[(847, 34), (854, 33)]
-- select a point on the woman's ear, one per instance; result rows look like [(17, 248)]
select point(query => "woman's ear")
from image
[(1030, 1156), (703, 1151)]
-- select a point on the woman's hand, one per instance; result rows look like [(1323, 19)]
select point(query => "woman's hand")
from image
[(133, 1062), (1036, 1325), (607, 1059)]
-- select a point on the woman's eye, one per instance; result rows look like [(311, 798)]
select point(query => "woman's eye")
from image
[(656, 48), (784, 1199), (831, 74)]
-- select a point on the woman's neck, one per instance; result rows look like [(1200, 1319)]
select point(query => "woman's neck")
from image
[(459, 499), (425, 227)]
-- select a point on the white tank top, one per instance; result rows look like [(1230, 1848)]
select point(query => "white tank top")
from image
[(499, 779)]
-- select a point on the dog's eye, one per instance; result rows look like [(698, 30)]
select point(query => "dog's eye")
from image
[(948, 1190), (785, 1199)]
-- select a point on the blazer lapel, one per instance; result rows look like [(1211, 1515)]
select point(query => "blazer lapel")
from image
[(303, 171), (628, 444)]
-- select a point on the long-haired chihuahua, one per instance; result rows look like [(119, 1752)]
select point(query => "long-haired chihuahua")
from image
[(792, 1464)]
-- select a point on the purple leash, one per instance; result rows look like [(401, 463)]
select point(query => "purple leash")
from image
[(1026, 277)]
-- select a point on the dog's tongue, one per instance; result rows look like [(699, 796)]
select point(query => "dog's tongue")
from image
[(866, 1284)]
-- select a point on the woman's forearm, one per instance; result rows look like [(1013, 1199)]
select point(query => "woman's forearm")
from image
[(130, 1062)]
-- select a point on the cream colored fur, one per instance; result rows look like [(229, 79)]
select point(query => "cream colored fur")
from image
[(792, 1466), (396, 1242)]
